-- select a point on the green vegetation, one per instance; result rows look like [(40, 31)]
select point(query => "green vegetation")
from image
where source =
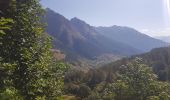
[(27, 69), (137, 82), (159, 59), (4, 25), (133, 81)]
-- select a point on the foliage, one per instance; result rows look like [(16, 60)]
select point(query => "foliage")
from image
[(132, 81), (159, 60), (27, 69), (137, 82), (4, 25)]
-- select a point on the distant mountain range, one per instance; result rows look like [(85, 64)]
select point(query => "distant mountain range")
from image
[(131, 37), (164, 38), (77, 39)]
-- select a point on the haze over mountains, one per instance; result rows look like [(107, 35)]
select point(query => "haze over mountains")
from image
[(80, 40), (131, 37), (164, 38)]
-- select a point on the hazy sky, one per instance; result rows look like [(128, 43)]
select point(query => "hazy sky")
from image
[(149, 16)]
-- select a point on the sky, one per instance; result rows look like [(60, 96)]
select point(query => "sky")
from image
[(148, 16)]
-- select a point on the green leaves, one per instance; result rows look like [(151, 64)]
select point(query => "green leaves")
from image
[(138, 82), (4, 25), (27, 68)]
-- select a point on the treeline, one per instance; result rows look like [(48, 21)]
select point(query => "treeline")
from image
[(27, 68), (132, 81)]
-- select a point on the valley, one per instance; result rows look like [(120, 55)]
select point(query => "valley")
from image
[(84, 50), (96, 46)]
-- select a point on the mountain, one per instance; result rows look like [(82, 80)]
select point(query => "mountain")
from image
[(80, 40), (158, 59), (109, 45), (164, 38), (65, 37), (131, 37)]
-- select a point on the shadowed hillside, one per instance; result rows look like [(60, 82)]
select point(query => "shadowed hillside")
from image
[(80, 40)]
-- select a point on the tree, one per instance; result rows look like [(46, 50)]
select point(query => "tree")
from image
[(136, 81), (5, 25), (26, 61)]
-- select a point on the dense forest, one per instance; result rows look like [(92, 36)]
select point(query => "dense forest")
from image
[(130, 79), (30, 71)]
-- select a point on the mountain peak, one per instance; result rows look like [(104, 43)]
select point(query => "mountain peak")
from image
[(49, 10), (75, 18), (84, 28), (78, 21), (53, 13), (78, 38)]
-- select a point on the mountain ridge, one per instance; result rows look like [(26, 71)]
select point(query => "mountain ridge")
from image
[(131, 37), (77, 39), (164, 38)]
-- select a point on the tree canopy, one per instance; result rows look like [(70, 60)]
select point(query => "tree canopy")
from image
[(27, 68)]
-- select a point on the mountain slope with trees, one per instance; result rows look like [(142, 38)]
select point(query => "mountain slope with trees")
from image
[(158, 59), (133, 80), (78, 39)]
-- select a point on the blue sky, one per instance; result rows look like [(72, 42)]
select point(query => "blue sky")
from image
[(148, 16)]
